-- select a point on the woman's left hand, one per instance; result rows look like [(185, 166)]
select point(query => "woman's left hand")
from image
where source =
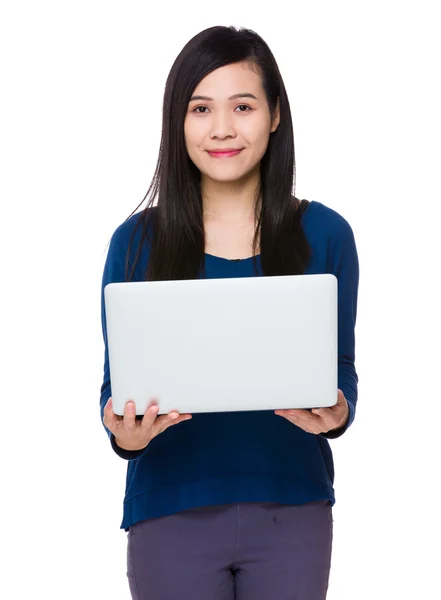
[(319, 420)]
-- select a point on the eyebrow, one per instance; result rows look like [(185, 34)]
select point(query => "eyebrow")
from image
[(241, 95)]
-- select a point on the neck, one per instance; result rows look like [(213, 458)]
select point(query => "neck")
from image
[(229, 200)]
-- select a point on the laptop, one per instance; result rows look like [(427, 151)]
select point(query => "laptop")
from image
[(229, 344)]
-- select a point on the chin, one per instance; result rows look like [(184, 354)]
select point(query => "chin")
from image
[(225, 173), (225, 177)]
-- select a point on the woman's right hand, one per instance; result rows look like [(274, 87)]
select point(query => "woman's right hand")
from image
[(133, 434)]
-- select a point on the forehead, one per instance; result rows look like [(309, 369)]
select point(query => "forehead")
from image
[(230, 79)]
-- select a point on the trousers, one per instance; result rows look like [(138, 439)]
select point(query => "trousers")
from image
[(246, 551)]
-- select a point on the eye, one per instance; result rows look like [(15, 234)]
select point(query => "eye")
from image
[(195, 110)]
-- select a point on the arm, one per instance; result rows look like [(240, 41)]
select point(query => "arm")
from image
[(343, 263), (114, 271)]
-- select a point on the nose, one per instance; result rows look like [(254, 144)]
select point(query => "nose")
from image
[(222, 125)]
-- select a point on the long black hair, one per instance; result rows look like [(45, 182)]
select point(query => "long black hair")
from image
[(177, 243)]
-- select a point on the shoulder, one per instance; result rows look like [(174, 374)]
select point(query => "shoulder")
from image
[(332, 240), (329, 224), (131, 226)]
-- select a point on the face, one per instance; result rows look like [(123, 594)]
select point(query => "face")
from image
[(222, 122)]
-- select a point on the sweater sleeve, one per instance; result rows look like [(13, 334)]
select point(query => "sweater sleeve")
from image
[(343, 263), (114, 271)]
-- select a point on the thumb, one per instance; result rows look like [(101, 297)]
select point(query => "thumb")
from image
[(317, 411)]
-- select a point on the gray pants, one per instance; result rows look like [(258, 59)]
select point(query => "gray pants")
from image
[(233, 552)]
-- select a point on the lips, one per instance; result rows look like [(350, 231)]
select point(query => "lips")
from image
[(224, 153)]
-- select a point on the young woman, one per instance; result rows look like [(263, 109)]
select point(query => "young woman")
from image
[(238, 504)]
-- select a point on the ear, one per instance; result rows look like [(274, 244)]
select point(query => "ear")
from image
[(276, 119)]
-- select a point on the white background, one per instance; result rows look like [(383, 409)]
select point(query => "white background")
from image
[(82, 86)]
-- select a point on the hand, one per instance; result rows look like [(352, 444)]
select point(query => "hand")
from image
[(132, 434), (319, 420)]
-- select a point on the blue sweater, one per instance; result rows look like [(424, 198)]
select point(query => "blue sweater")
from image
[(249, 456)]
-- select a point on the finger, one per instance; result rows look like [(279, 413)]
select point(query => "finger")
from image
[(151, 412), (321, 412), (109, 417), (327, 418), (149, 417), (302, 418), (173, 418), (301, 424), (108, 407), (183, 417), (341, 400), (160, 424), (129, 415), (297, 413)]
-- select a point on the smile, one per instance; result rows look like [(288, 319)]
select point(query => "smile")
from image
[(224, 154)]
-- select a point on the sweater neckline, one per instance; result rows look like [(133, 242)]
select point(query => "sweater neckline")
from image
[(243, 260)]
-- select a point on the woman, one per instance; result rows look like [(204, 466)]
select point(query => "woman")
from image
[(238, 504)]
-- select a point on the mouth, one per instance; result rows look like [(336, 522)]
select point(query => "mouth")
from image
[(224, 154)]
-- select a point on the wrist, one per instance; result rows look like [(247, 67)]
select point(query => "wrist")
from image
[(342, 424), (129, 447)]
